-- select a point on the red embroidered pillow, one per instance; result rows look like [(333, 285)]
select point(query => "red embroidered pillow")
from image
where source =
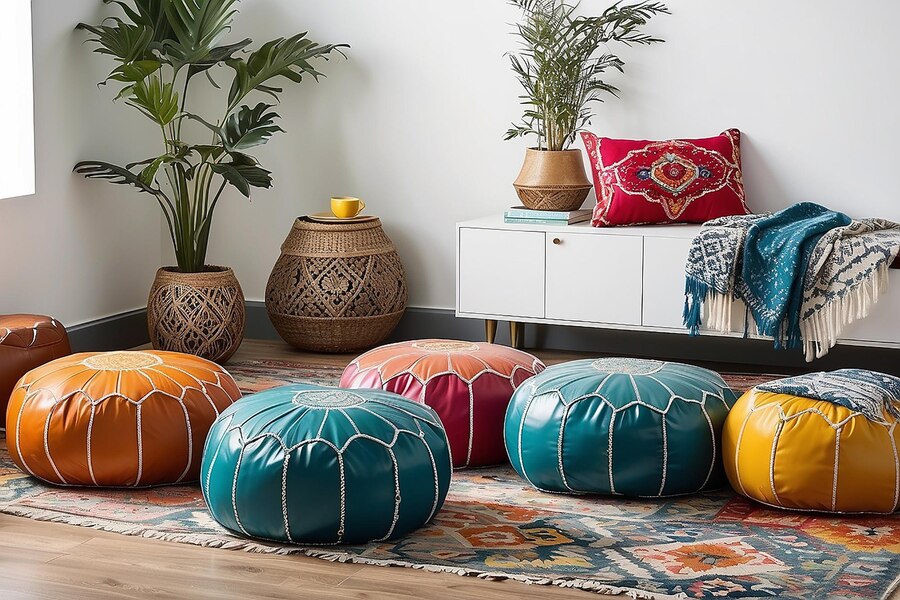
[(676, 181)]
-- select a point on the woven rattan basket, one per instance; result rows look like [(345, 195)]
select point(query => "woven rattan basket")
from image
[(336, 287), (197, 313)]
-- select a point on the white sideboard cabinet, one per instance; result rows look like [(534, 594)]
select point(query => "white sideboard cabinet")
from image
[(616, 277)]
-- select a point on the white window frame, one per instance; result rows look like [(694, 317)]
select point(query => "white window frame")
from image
[(17, 100)]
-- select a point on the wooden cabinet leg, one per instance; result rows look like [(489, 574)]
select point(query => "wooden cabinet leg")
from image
[(516, 334), (490, 330)]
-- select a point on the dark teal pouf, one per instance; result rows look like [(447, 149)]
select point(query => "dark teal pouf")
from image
[(619, 426), (316, 465)]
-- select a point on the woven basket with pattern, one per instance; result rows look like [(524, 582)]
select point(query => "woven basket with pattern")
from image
[(336, 287), (197, 313)]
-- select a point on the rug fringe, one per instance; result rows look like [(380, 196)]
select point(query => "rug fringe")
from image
[(328, 554)]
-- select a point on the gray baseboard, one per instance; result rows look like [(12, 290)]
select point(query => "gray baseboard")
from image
[(130, 329), (125, 330), (758, 354)]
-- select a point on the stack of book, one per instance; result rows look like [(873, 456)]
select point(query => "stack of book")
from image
[(522, 215)]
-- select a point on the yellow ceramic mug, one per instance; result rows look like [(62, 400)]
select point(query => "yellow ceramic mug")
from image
[(346, 207)]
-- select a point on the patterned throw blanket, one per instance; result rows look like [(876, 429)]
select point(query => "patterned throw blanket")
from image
[(804, 274), (868, 392)]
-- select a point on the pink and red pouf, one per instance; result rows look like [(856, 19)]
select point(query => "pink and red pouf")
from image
[(468, 384)]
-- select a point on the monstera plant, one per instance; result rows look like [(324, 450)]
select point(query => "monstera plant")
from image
[(162, 49)]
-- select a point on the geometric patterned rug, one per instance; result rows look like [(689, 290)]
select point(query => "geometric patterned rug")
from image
[(712, 545)]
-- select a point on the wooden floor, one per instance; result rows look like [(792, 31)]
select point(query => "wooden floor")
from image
[(50, 561)]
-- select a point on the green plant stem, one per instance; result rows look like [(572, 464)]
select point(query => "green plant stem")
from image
[(207, 222), (184, 95)]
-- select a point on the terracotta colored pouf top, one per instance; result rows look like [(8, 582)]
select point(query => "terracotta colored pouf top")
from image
[(469, 386), (117, 419), (26, 342)]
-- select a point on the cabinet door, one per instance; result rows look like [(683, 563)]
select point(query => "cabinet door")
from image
[(664, 260), (594, 278), (501, 272), (882, 324)]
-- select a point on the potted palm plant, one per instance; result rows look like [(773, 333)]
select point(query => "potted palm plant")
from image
[(160, 47), (560, 65)]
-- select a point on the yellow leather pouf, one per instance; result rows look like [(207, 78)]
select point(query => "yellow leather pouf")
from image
[(799, 452)]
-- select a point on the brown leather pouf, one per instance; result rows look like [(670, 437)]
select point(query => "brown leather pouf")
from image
[(26, 342)]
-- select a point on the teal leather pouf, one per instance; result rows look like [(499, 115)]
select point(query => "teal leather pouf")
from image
[(619, 426), (315, 465)]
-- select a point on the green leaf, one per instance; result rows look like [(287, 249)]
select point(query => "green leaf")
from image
[(198, 26), (290, 58), (217, 55), (134, 72), (114, 174), (150, 14), (208, 152), (148, 175), (156, 100), (152, 165), (250, 127), (247, 128), (243, 172), (122, 41)]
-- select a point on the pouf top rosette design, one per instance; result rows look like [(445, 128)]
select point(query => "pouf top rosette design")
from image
[(822, 442), (468, 384), (317, 465), (619, 426), (117, 419)]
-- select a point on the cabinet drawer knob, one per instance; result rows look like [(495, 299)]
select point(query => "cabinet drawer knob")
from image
[(557, 241)]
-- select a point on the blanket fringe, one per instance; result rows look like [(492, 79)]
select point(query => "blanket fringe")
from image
[(695, 294), (703, 302), (823, 327), (718, 312)]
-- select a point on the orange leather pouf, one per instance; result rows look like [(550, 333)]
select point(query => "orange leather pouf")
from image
[(26, 342), (117, 419)]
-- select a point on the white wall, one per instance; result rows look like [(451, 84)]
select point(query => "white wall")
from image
[(413, 121), (77, 250)]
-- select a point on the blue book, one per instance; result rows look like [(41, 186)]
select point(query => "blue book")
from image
[(520, 214), (569, 216), (560, 222)]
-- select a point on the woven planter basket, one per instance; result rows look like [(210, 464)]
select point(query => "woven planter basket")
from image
[(197, 313), (552, 180), (336, 287)]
